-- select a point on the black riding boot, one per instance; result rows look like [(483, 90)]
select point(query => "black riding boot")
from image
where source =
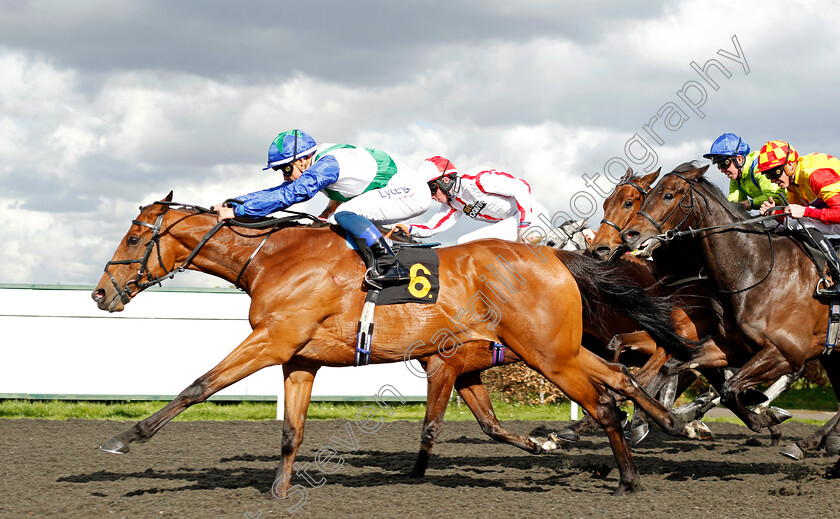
[(386, 268), (833, 264)]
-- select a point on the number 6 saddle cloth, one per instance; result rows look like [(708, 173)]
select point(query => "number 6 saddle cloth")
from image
[(423, 287)]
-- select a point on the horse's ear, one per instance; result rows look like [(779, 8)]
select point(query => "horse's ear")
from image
[(697, 173), (168, 197), (627, 176), (648, 180)]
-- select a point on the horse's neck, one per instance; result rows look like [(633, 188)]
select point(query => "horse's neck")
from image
[(230, 250), (735, 259)]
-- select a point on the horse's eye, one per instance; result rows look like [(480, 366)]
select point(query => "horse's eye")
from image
[(628, 204), (133, 240), (668, 196)]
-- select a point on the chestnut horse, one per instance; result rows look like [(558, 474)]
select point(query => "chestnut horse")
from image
[(306, 297), (763, 281), (463, 372)]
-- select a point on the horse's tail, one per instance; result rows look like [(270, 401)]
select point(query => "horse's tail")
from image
[(605, 285)]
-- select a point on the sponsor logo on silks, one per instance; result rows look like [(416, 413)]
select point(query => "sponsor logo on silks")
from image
[(472, 210), (394, 191)]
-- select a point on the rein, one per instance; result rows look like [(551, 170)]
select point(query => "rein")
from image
[(674, 233), (154, 242)]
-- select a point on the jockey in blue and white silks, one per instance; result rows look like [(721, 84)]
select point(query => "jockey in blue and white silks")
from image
[(372, 186)]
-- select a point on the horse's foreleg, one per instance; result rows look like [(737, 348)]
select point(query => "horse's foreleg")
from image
[(438, 390), (297, 387), (768, 364), (247, 358), (576, 381), (578, 386), (475, 395)]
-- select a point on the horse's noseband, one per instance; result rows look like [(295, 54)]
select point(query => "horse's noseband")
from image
[(639, 188), (692, 189), (144, 261)]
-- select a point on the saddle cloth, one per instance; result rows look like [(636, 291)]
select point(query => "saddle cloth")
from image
[(423, 264)]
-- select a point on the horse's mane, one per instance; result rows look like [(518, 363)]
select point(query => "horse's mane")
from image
[(736, 210)]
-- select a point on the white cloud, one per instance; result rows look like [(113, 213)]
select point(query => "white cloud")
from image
[(108, 110)]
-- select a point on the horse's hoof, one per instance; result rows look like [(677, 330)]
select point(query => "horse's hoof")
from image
[(793, 452), (566, 435), (777, 414), (538, 447), (700, 431), (114, 446), (832, 444), (637, 434)]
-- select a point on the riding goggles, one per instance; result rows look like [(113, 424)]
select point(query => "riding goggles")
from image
[(777, 172), (723, 163)]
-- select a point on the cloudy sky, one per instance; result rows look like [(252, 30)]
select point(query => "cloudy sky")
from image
[(109, 104)]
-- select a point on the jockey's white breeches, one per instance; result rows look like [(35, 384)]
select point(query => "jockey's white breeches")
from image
[(405, 196)]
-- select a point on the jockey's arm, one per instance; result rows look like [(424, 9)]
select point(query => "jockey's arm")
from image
[(504, 184), (439, 222), (825, 182), (262, 203)]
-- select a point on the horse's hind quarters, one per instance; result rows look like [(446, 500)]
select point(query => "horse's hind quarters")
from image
[(114, 446)]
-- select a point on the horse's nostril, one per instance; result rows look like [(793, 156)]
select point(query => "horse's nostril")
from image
[(98, 295)]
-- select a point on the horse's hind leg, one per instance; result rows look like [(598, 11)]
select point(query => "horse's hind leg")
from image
[(475, 395), (617, 378), (438, 390), (575, 381), (247, 358), (828, 434)]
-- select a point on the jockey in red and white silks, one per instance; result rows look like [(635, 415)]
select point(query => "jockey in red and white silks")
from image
[(484, 194)]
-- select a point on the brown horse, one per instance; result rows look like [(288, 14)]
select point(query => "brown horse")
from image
[(678, 275), (764, 283), (306, 298)]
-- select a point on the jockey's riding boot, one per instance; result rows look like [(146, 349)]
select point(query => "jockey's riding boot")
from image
[(833, 264), (387, 269)]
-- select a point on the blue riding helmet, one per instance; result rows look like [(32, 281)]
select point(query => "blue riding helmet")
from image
[(289, 146), (728, 145)]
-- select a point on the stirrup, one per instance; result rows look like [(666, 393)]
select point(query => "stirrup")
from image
[(369, 279), (394, 278), (825, 290)]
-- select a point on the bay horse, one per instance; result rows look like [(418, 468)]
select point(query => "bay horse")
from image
[(678, 275), (764, 283), (306, 296)]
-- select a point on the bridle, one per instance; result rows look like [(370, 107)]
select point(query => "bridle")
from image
[(125, 292), (687, 210), (154, 243), (639, 188), (676, 232)]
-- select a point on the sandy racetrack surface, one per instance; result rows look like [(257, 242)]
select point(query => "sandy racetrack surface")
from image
[(219, 469)]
